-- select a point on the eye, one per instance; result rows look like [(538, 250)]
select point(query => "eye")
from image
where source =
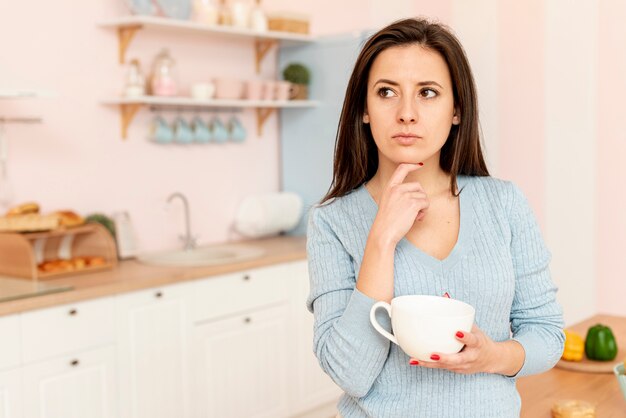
[(428, 93), (385, 92)]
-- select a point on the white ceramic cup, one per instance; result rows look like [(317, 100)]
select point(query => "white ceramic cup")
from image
[(202, 91), (423, 325)]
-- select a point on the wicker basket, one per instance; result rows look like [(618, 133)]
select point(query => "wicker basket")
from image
[(288, 23)]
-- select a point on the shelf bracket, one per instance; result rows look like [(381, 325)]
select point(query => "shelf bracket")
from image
[(125, 35), (261, 116), (128, 112), (262, 46)]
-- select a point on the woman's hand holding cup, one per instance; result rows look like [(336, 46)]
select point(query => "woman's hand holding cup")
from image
[(479, 355), (401, 204)]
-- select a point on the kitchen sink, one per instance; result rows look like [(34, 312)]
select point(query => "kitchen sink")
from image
[(203, 256)]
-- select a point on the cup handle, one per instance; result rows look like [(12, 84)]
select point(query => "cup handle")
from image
[(375, 323)]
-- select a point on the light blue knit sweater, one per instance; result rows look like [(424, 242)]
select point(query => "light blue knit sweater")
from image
[(499, 265)]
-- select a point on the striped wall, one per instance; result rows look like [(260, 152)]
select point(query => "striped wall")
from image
[(549, 75)]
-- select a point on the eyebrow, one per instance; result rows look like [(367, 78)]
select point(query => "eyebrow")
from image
[(421, 83)]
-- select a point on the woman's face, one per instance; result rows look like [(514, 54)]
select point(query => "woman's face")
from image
[(410, 104)]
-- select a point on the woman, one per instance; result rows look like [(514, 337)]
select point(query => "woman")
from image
[(412, 210)]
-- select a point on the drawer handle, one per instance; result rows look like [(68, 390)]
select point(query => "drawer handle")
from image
[(158, 294), (73, 312), (246, 278), (247, 320), (74, 363)]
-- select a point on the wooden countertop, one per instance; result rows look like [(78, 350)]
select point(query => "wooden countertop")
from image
[(541, 391), (132, 275)]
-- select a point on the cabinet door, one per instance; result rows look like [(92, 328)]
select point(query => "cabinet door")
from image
[(311, 387), (152, 352), (10, 348), (241, 365), (10, 394), (78, 385)]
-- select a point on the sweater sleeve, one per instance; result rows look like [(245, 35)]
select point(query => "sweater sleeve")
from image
[(345, 343), (536, 317)]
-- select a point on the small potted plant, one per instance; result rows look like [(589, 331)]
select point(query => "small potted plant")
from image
[(300, 76)]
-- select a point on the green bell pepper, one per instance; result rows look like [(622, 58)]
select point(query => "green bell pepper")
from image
[(600, 343)]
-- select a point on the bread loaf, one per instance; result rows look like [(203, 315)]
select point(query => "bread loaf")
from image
[(68, 218), (30, 222), (24, 209), (573, 409)]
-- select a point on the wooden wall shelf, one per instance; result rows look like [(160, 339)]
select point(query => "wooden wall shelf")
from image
[(264, 108), (128, 26)]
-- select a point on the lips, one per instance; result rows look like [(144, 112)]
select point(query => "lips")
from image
[(405, 139)]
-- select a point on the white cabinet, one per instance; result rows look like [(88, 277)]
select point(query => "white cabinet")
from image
[(78, 385), (230, 346), (153, 328), (237, 292), (10, 347), (241, 365), (50, 332), (10, 394), (311, 386)]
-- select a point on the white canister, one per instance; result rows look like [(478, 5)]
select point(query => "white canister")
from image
[(205, 12), (125, 235), (240, 13), (258, 19)]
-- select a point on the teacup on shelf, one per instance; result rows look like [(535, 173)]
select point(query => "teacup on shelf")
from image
[(202, 91), (228, 88)]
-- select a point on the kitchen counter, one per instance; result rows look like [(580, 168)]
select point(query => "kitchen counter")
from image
[(540, 392), (131, 275)]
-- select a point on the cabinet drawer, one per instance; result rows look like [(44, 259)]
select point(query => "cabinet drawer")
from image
[(238, 292), (62, 329), (10, 337), (75, 385)]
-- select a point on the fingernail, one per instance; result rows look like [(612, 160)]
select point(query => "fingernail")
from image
[(434, 357), (460, 334), (414, 362), (420, 163)]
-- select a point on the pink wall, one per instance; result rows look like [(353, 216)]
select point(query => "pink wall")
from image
[(520, 89), (76, 158), (611, 150)]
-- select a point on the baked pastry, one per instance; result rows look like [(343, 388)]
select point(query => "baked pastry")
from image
[(79, 262), (30, 222), (68, 218), (573, 409), (52, 266), (23, 209), (96, 261)]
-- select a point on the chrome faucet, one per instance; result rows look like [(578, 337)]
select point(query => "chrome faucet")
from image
[(189, 241)]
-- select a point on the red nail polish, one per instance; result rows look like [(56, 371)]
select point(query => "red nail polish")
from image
[(460, 334), (414, 362), (434, 357), (420, 163)]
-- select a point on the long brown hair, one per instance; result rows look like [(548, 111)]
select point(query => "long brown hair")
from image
[(356, 154)]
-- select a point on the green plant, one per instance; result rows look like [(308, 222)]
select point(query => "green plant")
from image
[(102, 220), (297, 73)]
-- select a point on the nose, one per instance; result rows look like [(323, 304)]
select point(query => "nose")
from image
[(407, 113)]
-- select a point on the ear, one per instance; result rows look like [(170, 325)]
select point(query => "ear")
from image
[(456, 118), (366, 117)]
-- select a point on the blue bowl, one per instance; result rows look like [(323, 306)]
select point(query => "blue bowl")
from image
[(621, 377)]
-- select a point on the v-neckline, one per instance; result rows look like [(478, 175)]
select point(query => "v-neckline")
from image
[(466, 227)]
